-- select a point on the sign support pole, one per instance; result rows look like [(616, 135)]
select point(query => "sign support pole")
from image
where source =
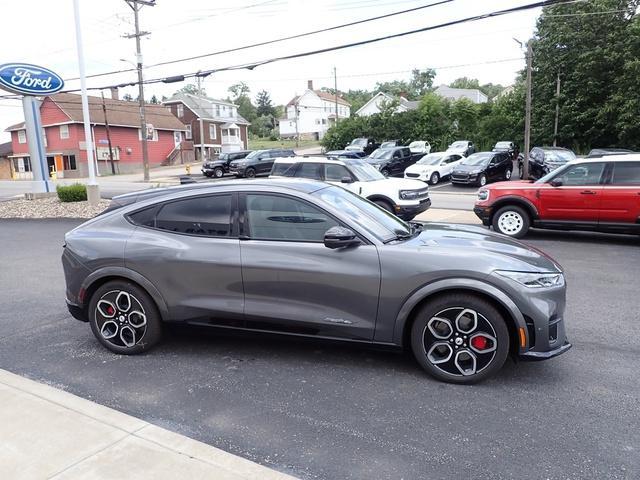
[(93, 189), (33, 127)]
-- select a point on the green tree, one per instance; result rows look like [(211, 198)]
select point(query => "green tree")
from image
[(191, 89), (264, 106), (240, 96), (154, 100), (421, 82), (127, 97)]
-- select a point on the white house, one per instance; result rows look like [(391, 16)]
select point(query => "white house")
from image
[(311, 114), (374, 104), (473, 94)]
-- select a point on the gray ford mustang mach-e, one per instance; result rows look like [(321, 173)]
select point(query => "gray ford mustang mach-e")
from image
[(301, 257)]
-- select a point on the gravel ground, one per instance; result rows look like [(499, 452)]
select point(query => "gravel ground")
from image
[(50, 208)]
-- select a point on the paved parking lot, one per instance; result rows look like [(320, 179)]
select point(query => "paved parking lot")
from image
[(327, 411)]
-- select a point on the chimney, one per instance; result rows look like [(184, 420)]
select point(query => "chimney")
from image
[(114, 93), (310, 84)]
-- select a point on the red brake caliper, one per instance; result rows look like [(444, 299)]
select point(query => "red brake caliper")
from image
[(480, 342)]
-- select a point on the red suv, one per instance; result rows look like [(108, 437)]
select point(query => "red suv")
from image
[(596, 194)]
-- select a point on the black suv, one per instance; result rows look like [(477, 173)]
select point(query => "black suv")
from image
[(483, 167), (393, 160), (543, 160), (217, 168), (258, 162)]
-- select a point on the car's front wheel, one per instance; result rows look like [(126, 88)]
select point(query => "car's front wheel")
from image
[(482, 180), (384, 205), (124, 318), (511, 220), (250, 173), (507, 174), (435, 178), (460, 338), (218, 172), (385, 172)]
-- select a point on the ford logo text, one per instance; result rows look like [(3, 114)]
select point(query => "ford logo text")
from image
[(26, 79)]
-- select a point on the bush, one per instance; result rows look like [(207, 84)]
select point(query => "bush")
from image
[(72, 193)]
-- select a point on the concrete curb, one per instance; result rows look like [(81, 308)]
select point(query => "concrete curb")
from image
[(49, 433)]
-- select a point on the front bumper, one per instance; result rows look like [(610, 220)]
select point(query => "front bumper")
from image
[(422, 176), (237, 171), (484, 214), (408, 212), (537, 356), (466, 179)]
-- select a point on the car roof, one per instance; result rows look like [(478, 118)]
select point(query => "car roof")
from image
[(554, 148), (308, 159), (629, 157)]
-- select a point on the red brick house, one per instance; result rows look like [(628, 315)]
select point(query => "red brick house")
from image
[(65, 141), (218, 122)]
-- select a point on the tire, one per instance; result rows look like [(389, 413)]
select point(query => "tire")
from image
[(108, 327), (451, 356), (250, 173), (512, 221), (208, 175), (385, 172), (482, 180), (521, 172), (384, 205), (507, 174), (218, 172), (435, 178)]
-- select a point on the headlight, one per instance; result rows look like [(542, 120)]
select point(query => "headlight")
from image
[(483, 195), (535, 279), (409, 194)]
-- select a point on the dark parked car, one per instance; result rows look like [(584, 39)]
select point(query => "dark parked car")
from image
[(305, 258), (463, 147), (603, 152), (509, 147), (543, 160), (366, 145), (391, 144), (258, 162), (345, 154), (394, 160), (482, 168), (217, 168)]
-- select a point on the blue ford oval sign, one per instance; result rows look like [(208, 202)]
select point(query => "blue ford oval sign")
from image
[(27, 79)]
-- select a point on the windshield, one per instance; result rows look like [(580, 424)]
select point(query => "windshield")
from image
[(458, 145), (361, 142), (431, 159), (503, 145), (254, 154), (417, 144), (380, 223), (364, 172), (558, 156), (388, 144), (552, 174), (477, 159), (223, 156), (381, 153)]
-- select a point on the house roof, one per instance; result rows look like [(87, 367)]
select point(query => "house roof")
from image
[(5, 149), (408, 104), (119, 112), (203, 107), (470, 93), (323, 95)]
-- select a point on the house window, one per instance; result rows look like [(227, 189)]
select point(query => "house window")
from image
[(180, 110), (22, 164), (154, 139), (44, 136), (64, 131), (187, 134), (324, 121), (317, 121), (69, 162), (22, 136), (217, 110), (212, 131)]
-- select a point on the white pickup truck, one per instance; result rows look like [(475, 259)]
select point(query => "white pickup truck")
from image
[(402, 197)]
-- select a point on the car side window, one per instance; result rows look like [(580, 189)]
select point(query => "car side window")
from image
[(309, 170), (582, 174), (206, 216), (335, 173), (275, 217), (626, 173), (396, 154)]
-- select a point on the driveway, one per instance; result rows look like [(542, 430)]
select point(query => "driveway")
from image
[(326, 411)]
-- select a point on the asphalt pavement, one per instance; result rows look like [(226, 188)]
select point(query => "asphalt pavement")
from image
[(326, 411)]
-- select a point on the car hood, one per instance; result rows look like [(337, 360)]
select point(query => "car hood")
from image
[(469, 168), (479, 244), (399, 183), (211, 163), (416, 168)]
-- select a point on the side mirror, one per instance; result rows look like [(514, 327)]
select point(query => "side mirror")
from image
[(339, 237), (346, 180), (555, 183)]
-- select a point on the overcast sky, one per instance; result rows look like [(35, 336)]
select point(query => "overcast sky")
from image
[(42, 32)]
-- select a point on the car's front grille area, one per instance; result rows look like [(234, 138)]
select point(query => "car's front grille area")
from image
[(553, 329), (423, 193), (412, 175), (460, 177)]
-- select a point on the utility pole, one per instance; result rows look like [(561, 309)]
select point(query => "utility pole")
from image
[(297, 114), (93, 189), (106, 127), (136, 5), (555, 125), (335, 87), (527, 115)]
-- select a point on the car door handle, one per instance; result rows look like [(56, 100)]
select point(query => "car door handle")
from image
[(588, 192)]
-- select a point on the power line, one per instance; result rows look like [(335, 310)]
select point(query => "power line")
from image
[(276, 40)]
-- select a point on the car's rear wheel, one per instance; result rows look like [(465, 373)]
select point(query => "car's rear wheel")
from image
[(250, 173), (124, 318), (460, 338), (385, 172), (218, 172), (511, 220), (435, 178)]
